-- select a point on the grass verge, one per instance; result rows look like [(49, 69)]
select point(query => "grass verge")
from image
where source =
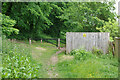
[(87, 65), (42, 52), (17, 61)]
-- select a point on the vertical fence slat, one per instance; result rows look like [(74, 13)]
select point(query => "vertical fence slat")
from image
[(117, 46), (87, 40)]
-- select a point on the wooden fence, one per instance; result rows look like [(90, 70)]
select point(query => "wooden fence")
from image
[(54, 41), (117, 47), (87, 40)]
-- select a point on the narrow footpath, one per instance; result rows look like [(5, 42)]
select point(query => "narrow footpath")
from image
[(52, 62)]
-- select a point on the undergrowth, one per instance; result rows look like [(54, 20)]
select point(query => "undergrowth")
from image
[(88, 65), (17, 61)]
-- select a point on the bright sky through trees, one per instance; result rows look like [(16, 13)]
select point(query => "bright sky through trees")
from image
[(116, 6)]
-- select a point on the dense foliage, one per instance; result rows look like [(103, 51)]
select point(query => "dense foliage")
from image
[(112, 27), (35, 19), (31, 17), (87, 16), (80, 54), (7, 25), (17, 61)]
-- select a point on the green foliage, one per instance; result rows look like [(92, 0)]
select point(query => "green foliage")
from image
[(7, 25), (86, 16), (55, 19), (32, 18), (111, 27), (58, 25), (17, 62), (81, 54), (43, 55), (101, 66), (97, 51)]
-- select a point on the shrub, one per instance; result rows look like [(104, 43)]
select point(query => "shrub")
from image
[(97, 51), (81, 54), (7, 25), (17, 62), (107, 56), (112, 27), (89, 66)]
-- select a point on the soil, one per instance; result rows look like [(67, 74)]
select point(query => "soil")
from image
[(53, 61)]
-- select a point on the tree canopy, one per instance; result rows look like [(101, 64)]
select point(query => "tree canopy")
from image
[(87, 16), (7, 25), (33, 19)]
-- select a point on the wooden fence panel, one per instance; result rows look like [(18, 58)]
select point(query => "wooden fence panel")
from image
[(117, 47), (87, 40)]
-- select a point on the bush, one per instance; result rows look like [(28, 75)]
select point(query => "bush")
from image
[(81, 54), (89, 66), (112, 27), (17, 62), (97, 51), (7, 25)]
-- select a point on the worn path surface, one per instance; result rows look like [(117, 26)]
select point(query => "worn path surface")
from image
[(52, 62), (47, 56)]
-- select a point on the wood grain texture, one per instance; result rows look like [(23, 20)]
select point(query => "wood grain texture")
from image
[(87, 40), (117, 46)]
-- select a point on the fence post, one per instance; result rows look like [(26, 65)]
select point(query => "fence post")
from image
[(30, 41), (58, 43), (117, 46), (12, 40), (41, 40)]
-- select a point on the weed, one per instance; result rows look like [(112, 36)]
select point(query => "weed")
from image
[(88, 65), (17, 61)]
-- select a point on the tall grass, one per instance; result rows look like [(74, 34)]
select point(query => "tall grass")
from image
[(17, 61), (88, 65)]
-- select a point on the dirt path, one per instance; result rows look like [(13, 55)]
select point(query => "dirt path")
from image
[(52, 62), (48, 59)]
